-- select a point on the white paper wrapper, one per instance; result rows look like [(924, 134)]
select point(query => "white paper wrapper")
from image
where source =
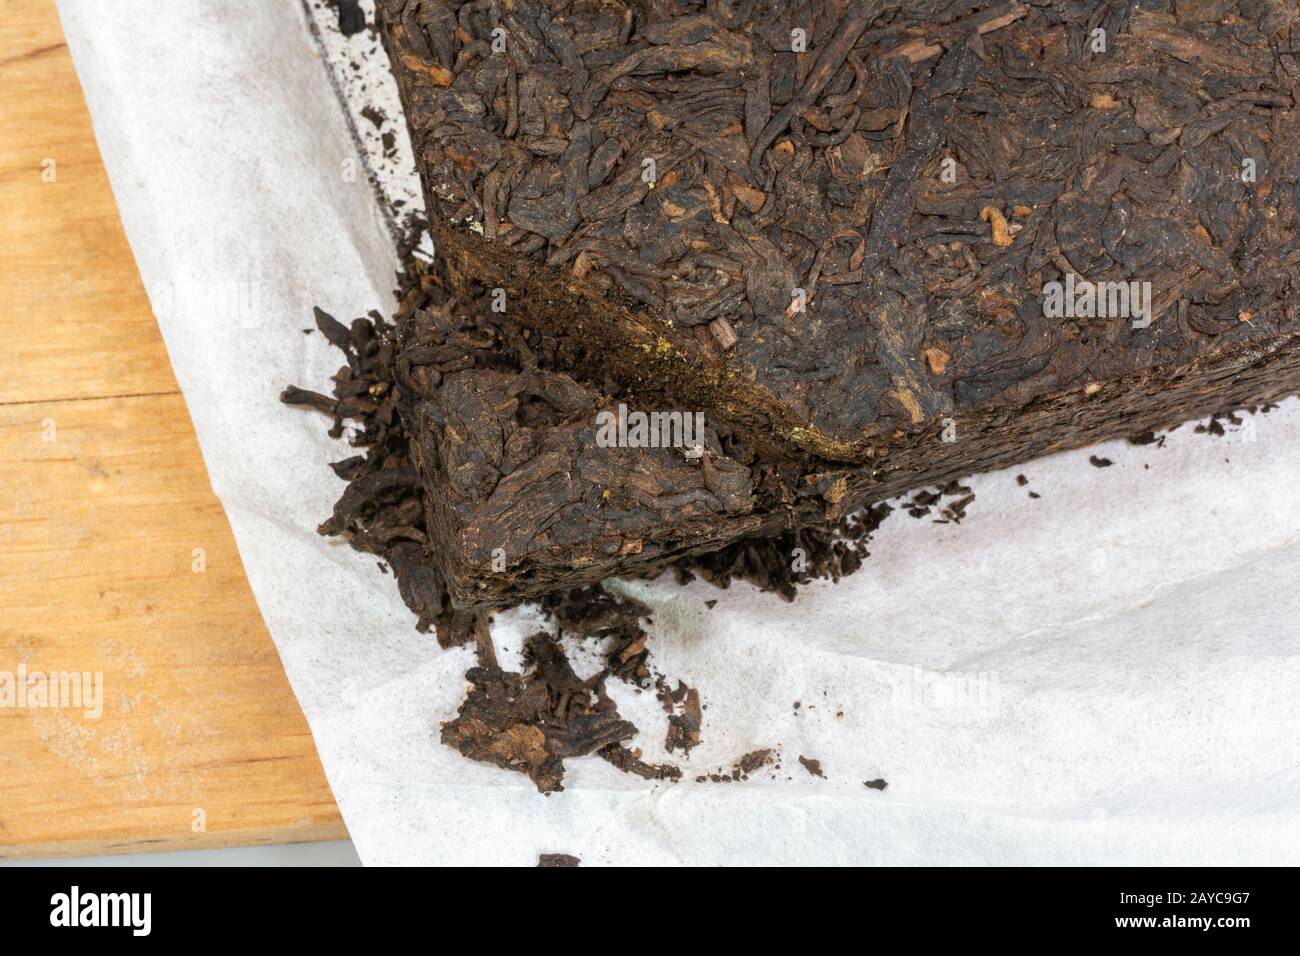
[(1104, 675)]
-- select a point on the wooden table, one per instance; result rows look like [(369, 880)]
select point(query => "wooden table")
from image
[(116, 559)]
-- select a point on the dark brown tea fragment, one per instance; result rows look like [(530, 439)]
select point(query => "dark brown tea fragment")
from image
[(813, 766)]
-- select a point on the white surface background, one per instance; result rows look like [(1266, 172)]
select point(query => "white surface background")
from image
[(1140, 625)]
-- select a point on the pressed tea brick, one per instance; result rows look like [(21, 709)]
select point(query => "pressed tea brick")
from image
[(843, 257)]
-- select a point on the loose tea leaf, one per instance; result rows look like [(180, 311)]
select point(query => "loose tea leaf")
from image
[(352, 19), (533, 722), (382, 508)]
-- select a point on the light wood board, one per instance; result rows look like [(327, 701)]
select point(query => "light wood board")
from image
[(115, 556)]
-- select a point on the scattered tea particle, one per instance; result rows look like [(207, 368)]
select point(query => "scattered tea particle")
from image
[(352, 19), (813, 766), (1213, 427), (684, 728), (752, 761), (558, 859), (629, 762), (1034, 494), (876, 784), (711, 603), (1098, 462), (1021, 480), (956, 510)]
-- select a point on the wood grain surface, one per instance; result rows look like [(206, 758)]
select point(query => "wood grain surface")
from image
[(116, 560)]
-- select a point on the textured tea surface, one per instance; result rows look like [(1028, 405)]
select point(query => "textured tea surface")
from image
[(660, 178)]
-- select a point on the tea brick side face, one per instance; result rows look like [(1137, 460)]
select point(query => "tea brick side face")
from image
[(843, 222), (535, 482)]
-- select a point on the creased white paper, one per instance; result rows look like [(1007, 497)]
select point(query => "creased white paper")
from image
[(1103, 675)]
